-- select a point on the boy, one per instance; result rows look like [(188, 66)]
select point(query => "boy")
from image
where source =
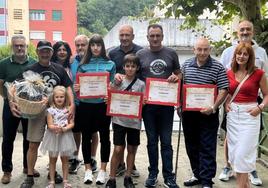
[(125, 127)]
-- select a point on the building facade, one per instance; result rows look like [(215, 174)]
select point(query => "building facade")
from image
[(53, 20), (3, 22)]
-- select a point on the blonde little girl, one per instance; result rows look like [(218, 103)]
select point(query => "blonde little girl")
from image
[(58, 138)]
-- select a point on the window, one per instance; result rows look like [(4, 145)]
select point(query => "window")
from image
[(2, 22), (3, 3), (37, 15), (57, 35), (56, 15), (18, 32), (3, 40), (17, 14), (37, 35)]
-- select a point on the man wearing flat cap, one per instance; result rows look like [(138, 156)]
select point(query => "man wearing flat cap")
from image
[(53, 74)]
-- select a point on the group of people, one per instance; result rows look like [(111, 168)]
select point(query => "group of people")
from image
[(68, 120)]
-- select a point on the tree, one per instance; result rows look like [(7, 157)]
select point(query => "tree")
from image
[(99, 16), (225, 10)]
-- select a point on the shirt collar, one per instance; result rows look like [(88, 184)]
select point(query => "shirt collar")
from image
[(12, 59), (207, 64)]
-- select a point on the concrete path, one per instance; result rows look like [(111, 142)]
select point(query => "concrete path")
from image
[(184, 171)]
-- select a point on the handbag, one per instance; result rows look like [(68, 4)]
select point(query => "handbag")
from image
[(224, 119)]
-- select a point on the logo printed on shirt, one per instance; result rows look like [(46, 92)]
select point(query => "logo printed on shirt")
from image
[(158, 66), (51, 79)]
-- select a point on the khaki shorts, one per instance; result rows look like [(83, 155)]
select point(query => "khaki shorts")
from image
[(37, 127)]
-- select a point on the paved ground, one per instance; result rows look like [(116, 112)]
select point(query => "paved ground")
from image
[(184, 171)]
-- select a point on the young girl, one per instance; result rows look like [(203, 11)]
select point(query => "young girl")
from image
[(125, 127), (93, 111), (58, 138)]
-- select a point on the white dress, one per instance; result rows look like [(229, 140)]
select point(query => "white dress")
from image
[(62, 144)]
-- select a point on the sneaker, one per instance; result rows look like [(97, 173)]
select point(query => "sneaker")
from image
[(111, 183), (101, 178), (226, 173), (74, 166), (58, 178), (88, 179), (93, 165), (27, 183), (192, 182), (151, 181), (170, 183), (135, 172), (6, 178), (128, 183), (255, 180), (120, 169)]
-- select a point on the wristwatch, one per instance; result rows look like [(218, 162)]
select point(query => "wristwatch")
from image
[(213, 109)]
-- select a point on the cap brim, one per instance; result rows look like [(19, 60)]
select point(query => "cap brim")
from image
[(45, 47)]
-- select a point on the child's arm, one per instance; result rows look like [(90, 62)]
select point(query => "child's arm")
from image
[(50, 124), (69, 126)]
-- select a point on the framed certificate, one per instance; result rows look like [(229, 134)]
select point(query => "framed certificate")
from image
[(124, 104), (93, 85), (161, 92), (196, 97)]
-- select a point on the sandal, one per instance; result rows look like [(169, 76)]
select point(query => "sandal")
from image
[(66, 184), (51, 185)]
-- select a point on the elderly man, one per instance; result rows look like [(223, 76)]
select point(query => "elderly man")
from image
[(126, 37), (10, 69), (200, 127), (159, 61), (54, 75), (245, 34), (81, 44)]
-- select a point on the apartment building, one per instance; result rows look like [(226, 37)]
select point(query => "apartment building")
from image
[(3, 22)]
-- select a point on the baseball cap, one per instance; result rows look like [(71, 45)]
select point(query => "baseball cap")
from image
[(43, 44)]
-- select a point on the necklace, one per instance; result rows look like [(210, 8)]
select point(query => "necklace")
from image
[(239, 76)]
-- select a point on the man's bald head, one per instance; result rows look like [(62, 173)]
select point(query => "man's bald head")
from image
[(202, 50), (126, 36)]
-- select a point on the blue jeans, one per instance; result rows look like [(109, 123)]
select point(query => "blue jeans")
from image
[(158, 121), (10, 126)]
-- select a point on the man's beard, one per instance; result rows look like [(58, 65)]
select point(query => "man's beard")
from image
[(245, 38)]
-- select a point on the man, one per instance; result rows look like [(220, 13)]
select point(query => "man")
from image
[(81, 45), (200, 127), (159, 62), (10, 68), (245, 34), (126, 37), (53, 74)]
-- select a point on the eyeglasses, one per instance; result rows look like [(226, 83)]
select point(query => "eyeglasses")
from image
[(19, 45)]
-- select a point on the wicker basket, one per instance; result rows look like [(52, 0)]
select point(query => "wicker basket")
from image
[(30, 109)]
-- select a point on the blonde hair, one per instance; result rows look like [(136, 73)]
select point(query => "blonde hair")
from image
[(56, 90)]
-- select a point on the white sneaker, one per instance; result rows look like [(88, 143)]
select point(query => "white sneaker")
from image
[(101, 178), (226, 173), (88, 179), (255, 180)]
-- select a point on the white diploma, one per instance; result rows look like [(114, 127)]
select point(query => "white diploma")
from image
[(93, 86), (163, 92), (125, 104), (197, 98)]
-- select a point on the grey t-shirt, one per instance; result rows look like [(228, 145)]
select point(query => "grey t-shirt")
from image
[(158, 64), (134, 123)]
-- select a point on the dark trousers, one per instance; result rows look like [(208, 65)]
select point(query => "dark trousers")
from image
[(200, 133), (93, 119), (10, 126), (158, 121)]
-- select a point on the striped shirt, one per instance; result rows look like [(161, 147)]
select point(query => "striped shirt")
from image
[(212, 72)]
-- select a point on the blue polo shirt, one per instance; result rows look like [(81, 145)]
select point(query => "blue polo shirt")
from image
[(117, 55), (212, 72)]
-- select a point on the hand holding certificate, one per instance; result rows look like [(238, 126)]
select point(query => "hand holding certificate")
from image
[(162, 92), (93, 85), (197, 97), (125, 104)]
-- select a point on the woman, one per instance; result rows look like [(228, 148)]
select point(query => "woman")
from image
[(62, 54), (93, 111), (243, 118)]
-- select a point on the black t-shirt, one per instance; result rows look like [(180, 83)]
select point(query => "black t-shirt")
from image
[(53, 74)]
